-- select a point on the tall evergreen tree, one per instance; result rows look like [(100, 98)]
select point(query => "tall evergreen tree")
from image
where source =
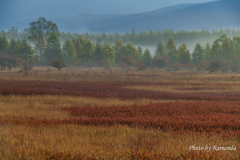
[(216, 51), (98, 51), (87, 50), (227, 47), (183, 56), (78, 47), (69, 51), (11, 49), (81, 40), (198, 54), (133, 52), (207, 51), (147, 58), (171, 50), (108, 54), (26, 51), (128, 53), (139, 49), (118, 45), (236, 44), (160, 52), (3, 45), (53, 49)]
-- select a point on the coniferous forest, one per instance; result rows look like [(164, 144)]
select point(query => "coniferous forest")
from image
[(42, 44)]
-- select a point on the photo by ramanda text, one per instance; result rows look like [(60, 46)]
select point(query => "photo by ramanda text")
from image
[(214, 148)]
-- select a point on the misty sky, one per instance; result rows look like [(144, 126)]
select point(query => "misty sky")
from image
[(20, 9)]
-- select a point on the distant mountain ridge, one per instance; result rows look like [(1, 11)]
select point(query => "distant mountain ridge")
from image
[(217, 14)]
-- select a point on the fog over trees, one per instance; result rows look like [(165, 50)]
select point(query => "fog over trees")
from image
[(43, 44)]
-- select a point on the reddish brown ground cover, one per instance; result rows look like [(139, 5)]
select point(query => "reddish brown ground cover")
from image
[(209, 116), (106, 89)]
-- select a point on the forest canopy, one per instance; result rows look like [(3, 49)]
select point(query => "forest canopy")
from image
[(43, 44)]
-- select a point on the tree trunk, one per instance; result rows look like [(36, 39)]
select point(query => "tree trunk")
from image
[(41, 53)]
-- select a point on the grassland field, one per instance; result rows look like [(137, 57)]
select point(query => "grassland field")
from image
[(98, 113)]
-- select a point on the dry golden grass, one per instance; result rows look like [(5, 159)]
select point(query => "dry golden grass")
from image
[(115, 73), (87, 74), (47, 107), (24, 142), (29, 142), (118, 74), (193, 88)]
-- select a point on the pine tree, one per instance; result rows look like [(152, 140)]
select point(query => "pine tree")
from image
[(160, 52), (69, 51), (53, 41), (198, 54), (78, 47), (53, 49), (236, 44), (207, 51), (132, 51), (97, 53), (11, 49), (128, 53), (3, 45), (147, 58), (227, 47), (81, 40), (216, 51), (171, 50), (107, 54), (87, 50), (139, 49), (183, 56), (26, 51), (118, 46)]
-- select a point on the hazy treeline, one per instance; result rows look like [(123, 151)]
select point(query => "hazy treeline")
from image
[(142, 38), (84, 50)]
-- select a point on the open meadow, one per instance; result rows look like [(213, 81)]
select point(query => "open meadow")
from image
[(115, 113)]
